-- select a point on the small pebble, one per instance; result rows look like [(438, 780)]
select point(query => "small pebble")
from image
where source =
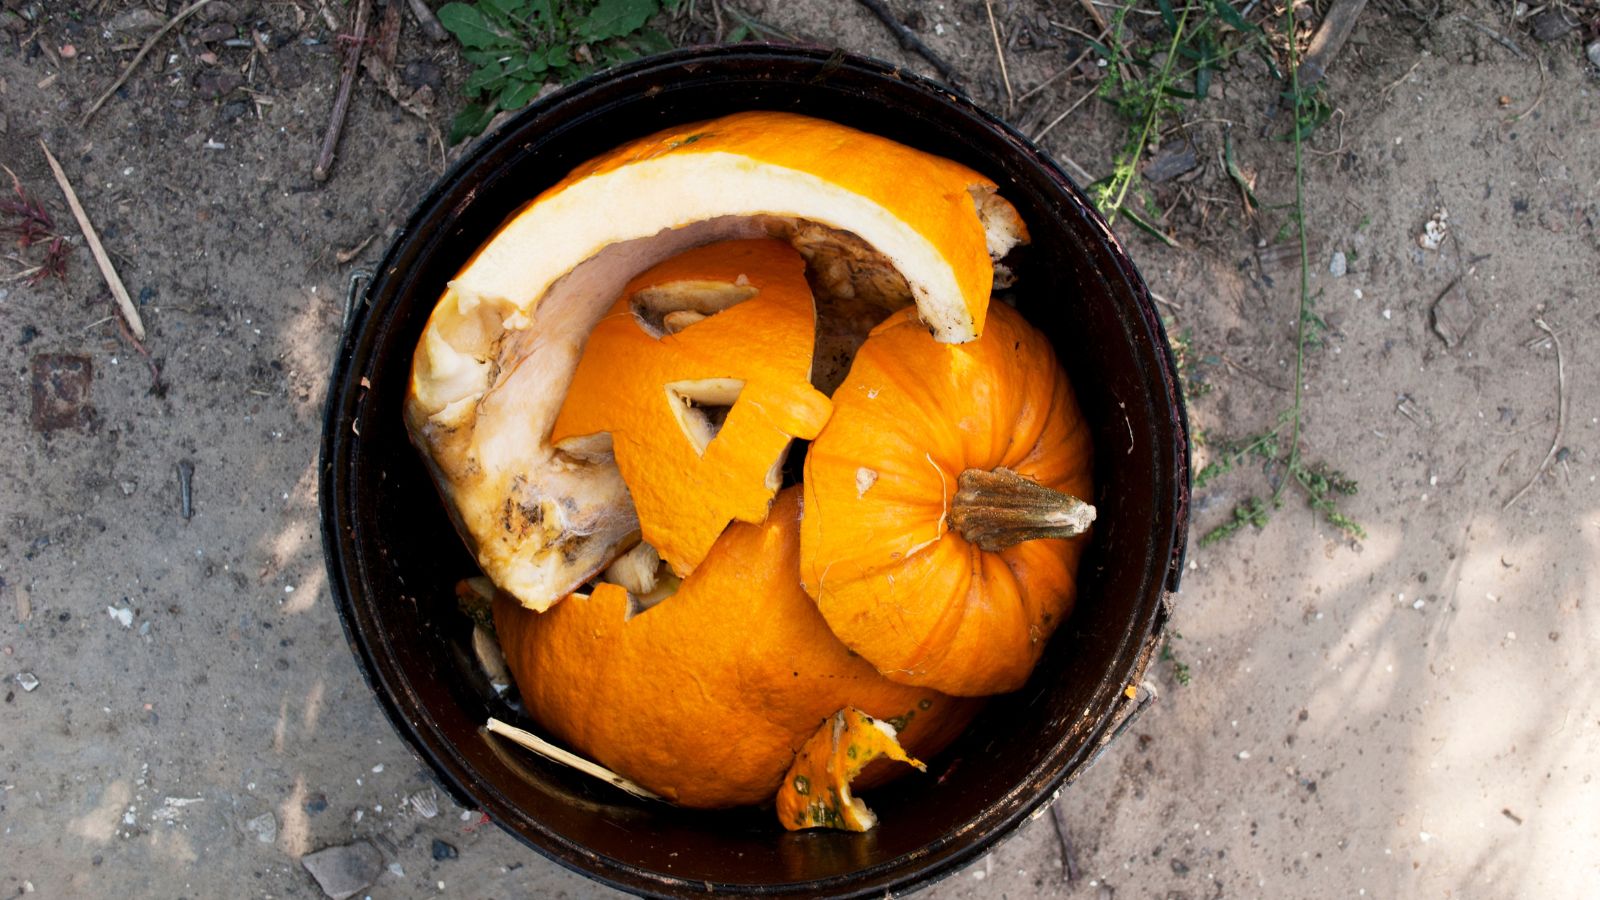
[(1593, 52), (1338, 265), (443, 851), (264, 827), (27, 681), (121, 615)]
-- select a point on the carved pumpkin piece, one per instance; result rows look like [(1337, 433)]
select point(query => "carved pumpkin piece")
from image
[(816, 791), (939, 501), (706, 697), (700, 373)]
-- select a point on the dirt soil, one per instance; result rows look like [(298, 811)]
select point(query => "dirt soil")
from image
[(1411, 714)]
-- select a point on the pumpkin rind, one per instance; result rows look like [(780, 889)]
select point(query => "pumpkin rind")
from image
[(892, 577), (501, 344), (816, 789), (686, 489), (706, 697)]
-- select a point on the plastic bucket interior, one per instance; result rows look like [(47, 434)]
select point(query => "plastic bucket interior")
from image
[(394, 559)]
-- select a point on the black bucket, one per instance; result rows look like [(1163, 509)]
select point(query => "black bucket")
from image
[(393, 558)]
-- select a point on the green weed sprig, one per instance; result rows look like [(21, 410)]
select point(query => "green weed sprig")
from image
[(518, 46)]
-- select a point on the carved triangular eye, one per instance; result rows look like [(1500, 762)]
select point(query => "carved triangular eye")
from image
[(701, 375), (701, 406)]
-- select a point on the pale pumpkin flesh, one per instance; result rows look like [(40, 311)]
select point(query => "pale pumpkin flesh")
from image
[(890, 570)]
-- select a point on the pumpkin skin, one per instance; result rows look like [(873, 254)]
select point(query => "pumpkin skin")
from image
[(631, 383), (816, 789), (706, 697), (895, 580), (880, 222)]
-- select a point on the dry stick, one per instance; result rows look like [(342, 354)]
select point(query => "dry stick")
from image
[(1105, 29), (144, 51), (909, 41), (1536, 100), (1499, 38), (1330, 37), (388, 40), (1069, 861), (1057, 120), (1000, 54), (428, 21), (1561, 416), (341, 104), (530, 741), (107, 271)]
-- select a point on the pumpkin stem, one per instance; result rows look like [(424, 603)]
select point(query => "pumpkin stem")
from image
[(1000, 508)]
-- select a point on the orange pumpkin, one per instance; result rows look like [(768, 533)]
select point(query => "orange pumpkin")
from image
[(816, 790), (701, 375), (705, 697), (939, 500)]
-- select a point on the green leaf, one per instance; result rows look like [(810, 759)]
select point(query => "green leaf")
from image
[(470, 122), (482, 58), (1202, 83), (511, 9), (517, 95), (652, 41), (470, 27), (557, 56), (1167, 18), (616, 18), (484, 79), (738, 34), (1227, 13)]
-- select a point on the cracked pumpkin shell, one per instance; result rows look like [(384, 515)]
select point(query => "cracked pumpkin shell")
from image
[(500, 348), (938, 501), (700, 375), (706, 697)]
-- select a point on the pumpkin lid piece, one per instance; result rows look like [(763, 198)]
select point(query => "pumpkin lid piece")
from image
[(938, 501), (700, 373), (940, 223)]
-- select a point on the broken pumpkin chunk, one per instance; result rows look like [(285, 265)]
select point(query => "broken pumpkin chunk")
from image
[(700, 373), (816, 792)]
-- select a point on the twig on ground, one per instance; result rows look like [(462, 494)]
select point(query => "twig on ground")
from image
[(1499, 38), (341, 104), (1561, 415), (1069, 855), (429, 22), (1099, 19), (1000, 54), (344, 256), (387, 43), (327, 16), (1069, 162), (144, 51), (910, 42), (1328, 40), (757, 25), (157, 386), (90, 236), (1536, 100), (1057, 120), (1398, 81), (1053, 78)]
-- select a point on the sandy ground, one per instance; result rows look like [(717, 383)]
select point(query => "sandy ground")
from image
[(1408, 715)]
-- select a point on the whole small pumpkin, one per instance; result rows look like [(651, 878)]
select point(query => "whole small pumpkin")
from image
[(938, 503)]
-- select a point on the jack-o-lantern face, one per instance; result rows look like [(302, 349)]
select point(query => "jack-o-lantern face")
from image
[(701, 375)]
